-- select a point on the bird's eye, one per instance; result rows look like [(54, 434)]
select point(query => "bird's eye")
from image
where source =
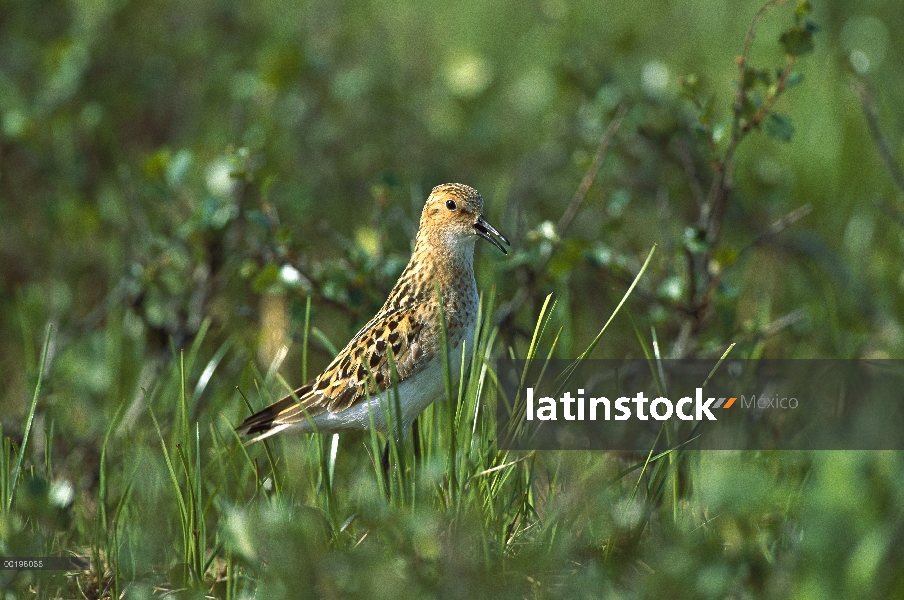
[(450, 204)]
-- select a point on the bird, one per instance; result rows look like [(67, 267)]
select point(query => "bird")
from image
[(402, 345)]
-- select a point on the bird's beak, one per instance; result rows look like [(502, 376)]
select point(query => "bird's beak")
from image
[(489, 233)]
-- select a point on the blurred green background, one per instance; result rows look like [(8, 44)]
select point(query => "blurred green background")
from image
[(170, 168)]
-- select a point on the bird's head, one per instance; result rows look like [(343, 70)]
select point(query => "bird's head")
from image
[(455, 212)]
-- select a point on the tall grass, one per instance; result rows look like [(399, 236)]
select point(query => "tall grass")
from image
[(8, 490), (181, 504)]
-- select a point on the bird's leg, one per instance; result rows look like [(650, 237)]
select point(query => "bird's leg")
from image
[(384, 459), (384, 463), (416, 439)]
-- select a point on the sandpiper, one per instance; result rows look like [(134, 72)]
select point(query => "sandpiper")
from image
[(353, 391)]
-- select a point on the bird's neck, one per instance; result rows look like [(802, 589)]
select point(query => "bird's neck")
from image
[(443, 262)]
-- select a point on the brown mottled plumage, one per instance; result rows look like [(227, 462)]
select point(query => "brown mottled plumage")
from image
[(348, 394)]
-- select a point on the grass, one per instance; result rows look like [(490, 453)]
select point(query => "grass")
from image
[(181, 508)]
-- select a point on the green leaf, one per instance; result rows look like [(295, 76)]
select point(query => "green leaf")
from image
[(798, 41), (690, 84), (600, 255), (794, 78), (726, 256), (564, 261), (695, 240), (157, 163), (750, 107), (267, 278), (672, 288), (258, 217), (779, 127), (754, 76), (803, 9), (177, 168)]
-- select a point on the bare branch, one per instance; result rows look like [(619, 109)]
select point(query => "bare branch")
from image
[(590, 176), (787, 320), (690, 171), (742, 69), (770, 101), (882, 145), (776, 228), (711, 216), (506, 310)]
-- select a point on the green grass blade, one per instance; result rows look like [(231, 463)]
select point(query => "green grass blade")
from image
[(621, 303), (29, 421)]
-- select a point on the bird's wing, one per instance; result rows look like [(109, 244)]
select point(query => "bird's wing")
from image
[(362, 368)]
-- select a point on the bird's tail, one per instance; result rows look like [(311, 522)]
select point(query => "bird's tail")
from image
[(268, 421)]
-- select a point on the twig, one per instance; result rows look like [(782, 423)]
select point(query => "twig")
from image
[(590, 176), (742, 70), (770, 101), (506, 310), (771, 231), (776, 228), (872, 121), (712, 212), (711, 216), (687, 159), (783, 322)]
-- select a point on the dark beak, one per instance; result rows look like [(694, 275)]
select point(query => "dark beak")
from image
[(489, 233)]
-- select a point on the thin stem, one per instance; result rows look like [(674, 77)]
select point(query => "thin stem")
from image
[(590, 175), (882, 145)]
